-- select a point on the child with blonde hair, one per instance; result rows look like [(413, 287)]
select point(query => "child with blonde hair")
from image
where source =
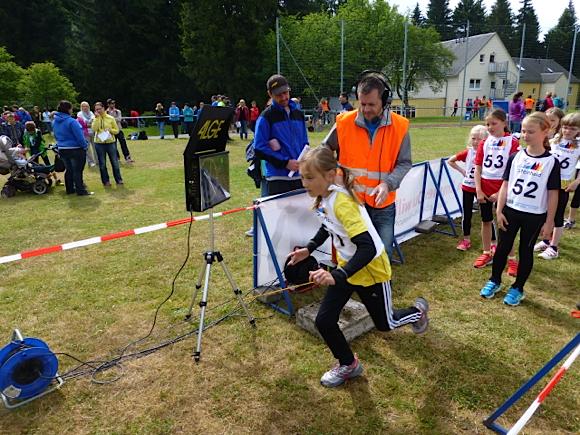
[(526, 203), (476, 135), (363, 265), (565, 147)]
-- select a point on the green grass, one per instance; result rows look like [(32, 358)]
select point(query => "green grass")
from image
[(91, 301)]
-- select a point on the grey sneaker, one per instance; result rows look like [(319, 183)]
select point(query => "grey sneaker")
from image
[(339, 374), (568, 224), (250, 232), (421, 325)]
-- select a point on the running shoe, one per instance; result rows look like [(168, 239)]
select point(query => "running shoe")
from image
[(489, 290), (421, 325), (464, 245), (483, 260), (549, 254), (339, 374), (541, 246), (568, 224), (513, 297), (493, 248), (512, 267), (250, 232)]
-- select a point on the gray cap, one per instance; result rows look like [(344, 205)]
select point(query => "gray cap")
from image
[(277, 84)]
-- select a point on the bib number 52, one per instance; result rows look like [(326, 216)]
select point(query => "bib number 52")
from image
[(519, 187)]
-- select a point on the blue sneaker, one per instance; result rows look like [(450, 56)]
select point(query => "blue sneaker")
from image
[(489, 290), (514, 297)]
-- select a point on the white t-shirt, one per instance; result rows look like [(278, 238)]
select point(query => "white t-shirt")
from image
[(568, 154), (496, 152), (529, 179)]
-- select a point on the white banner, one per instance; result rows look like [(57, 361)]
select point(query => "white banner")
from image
[(290, 220)]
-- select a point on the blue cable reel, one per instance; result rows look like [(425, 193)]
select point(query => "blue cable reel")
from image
[(28, 370)]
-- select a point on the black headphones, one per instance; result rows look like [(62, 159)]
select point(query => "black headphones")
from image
[(387, 95)]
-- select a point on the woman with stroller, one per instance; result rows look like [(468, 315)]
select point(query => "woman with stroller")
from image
[(72, 147)]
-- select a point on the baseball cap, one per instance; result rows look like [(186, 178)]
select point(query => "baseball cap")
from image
[(277, 84)]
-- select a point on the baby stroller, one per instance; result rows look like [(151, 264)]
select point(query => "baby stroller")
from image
[(32, 177)]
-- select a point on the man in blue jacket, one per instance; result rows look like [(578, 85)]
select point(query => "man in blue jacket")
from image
[(280, 137)]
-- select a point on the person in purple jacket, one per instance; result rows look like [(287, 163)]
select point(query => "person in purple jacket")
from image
[(517, 112)]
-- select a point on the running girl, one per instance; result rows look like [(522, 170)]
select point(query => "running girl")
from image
[(527, 203), (363, 265)]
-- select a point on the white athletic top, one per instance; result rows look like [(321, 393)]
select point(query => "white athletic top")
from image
[(469, 179), (568, 154), (496, 152), (529, 180)]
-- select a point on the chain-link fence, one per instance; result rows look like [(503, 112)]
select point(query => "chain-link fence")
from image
[(323, 57)]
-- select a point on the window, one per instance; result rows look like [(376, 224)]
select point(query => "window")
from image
[(521, 68), (550, 70), (474, 84), (481, 58), (570, 90), (492, 85), (533, 91), (492, 58)]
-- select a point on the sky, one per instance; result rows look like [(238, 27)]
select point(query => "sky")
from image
[(548, 11)]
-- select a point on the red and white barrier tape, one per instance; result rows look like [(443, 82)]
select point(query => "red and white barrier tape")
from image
[(544, 393), (95, 240)]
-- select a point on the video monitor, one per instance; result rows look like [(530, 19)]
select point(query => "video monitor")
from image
[(207, 181)]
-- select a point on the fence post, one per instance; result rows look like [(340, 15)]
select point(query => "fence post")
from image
[(464, 76), (341, 56), (521, 55), (278, 44), (576, 30), (404, 69)]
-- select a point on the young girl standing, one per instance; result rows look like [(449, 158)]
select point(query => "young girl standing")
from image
[(527, 203), (490, 163), (363, 265), (477, 134), (555, 116), (565, 147)]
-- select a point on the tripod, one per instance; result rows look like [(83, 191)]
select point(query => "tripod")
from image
[(209, 257)]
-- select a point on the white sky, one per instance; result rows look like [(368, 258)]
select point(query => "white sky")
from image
[(547, 11)]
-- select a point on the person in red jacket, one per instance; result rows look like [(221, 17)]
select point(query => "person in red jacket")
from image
[(254, 114)]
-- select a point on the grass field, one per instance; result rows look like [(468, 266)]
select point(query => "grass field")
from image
[(92, 301)]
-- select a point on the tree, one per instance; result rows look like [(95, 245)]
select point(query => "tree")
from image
[(221, 45), (10, 76), (43, 84), (439, 17), (136, 60), (500, 20), (527, 15), (374, 34), (471, 11), (558, 40), (34, 30), (416, 17)]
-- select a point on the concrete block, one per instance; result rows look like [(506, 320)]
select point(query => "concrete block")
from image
[(354, 319)]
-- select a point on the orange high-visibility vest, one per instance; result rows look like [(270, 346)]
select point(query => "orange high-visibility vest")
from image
[(368, 162)]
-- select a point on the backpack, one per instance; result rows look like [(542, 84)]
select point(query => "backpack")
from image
[(254, 171), (142, 135)]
